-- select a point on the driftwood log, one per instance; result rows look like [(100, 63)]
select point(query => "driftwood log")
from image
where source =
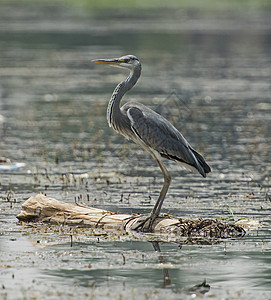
[(41, 208)]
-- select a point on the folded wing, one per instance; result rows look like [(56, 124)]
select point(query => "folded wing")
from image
[(160, 135)]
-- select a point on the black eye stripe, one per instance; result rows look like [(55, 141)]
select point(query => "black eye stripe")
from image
[(129, 59)]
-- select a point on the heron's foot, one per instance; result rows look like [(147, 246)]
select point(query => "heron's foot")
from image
[(143, 224)]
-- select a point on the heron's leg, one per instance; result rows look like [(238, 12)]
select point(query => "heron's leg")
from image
[(146, 223), (158, 205)]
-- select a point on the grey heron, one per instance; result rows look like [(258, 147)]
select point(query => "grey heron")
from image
[(150, 131)]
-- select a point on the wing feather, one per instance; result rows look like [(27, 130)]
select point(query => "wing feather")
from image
[(160, 135)]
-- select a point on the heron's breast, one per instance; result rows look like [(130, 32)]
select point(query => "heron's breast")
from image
[(122, 126)]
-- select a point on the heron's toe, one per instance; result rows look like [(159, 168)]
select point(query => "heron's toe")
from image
[(142, 224)]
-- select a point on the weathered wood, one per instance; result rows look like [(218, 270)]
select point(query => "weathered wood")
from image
[(41, 208)]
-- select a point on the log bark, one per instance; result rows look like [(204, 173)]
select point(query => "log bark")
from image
[(41, 208)]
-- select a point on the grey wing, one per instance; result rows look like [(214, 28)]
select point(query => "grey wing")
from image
[(160, 135)]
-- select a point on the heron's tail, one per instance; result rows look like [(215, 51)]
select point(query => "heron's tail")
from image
[(203, 167)]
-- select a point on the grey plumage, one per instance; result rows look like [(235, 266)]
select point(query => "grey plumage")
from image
[(149, 130)]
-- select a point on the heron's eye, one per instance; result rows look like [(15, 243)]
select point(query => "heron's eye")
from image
[(126, 60)]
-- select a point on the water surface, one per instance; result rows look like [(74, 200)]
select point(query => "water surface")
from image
[(208, 73)]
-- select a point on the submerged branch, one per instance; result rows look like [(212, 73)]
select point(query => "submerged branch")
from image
[(41, 208)]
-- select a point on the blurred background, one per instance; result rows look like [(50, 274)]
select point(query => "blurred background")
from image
[(207, 68)]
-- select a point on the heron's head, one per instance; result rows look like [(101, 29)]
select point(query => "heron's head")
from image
[(128, 62)]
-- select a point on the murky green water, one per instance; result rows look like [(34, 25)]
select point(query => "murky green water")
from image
[(209, 74)]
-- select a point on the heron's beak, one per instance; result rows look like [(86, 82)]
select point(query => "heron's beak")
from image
[(112, 62)]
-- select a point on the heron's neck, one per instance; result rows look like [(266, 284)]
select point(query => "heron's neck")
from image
[(113, 108)]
